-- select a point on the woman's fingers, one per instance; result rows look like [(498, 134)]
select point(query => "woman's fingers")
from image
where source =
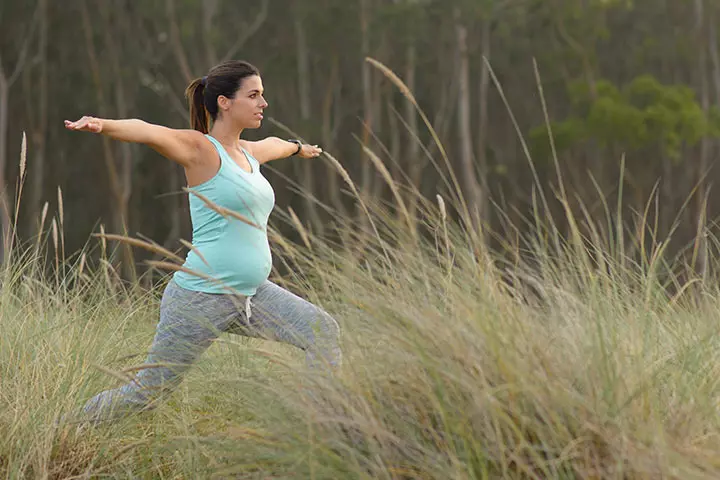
[(310, 151), (86, 124), (77, 124)]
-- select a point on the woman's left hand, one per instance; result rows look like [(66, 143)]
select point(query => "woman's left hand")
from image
[(309, 151)]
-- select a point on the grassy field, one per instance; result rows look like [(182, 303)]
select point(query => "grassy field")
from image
[(458, 363), (581, 354)]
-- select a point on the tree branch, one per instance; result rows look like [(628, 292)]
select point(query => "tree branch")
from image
[(209, 11), (248, 31), (176, 41), (23, 51)]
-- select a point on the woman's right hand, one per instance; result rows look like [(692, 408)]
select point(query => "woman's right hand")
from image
[(85, 124)]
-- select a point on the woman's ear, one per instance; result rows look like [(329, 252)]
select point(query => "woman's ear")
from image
[(223, 102)]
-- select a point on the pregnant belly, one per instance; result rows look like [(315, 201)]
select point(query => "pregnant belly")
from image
[(238, 264)]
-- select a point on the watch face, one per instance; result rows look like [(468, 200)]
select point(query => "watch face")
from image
[(296, 142)]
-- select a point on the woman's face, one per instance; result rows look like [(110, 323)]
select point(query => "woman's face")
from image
[(246, 109)]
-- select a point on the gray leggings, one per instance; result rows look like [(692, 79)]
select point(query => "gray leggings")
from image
[(190, 321)]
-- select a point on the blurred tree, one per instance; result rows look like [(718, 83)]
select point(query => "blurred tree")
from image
[(21, 39), (640, 78)]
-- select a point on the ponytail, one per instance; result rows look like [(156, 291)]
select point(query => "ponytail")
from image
[(202, 93), (195, 94)]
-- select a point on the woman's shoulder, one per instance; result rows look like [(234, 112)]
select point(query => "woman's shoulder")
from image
[(206, 150), (248, 146)]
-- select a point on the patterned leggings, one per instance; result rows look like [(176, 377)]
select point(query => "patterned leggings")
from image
[(190, 321)]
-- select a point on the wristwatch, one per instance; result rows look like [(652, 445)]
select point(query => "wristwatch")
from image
[(298, 143)]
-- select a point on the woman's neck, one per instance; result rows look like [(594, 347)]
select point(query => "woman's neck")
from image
[(226, 134)]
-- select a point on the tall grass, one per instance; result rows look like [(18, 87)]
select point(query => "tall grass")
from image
[(551, 358)]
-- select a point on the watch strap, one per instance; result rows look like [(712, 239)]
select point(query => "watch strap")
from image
[(298, 143)]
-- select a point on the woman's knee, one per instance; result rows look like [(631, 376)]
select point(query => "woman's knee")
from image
[(327, 338), (325, 327)]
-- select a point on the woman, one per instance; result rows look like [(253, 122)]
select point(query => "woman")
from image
[(223, 285)]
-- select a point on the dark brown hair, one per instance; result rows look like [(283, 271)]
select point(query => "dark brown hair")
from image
[(202, 93)]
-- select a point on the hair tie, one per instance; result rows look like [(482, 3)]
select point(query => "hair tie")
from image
[(203, 81)]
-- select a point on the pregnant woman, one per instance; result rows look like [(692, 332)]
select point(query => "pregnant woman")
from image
[(223, 285)]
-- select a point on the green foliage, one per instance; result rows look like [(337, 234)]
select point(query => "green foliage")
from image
[(644, 114), (612, 122), (565, 134)]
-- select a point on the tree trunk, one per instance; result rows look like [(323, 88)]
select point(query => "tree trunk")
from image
[(304, 92), (39, 136), (394, 129), (4, 203), (705, 146), (117, 183), (377, 187), (713, 50), (209, 8), (126, 149), (176, 42), (330, 116), (175, 182), (470, 184), (368, 119), (5, 85), (414, 163), (483, 120), (666, 199)]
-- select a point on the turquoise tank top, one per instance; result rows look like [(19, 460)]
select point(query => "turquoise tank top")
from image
[(237, 254)]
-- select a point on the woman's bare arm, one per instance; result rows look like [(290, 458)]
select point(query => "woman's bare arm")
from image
[(182, 146), (274, 148)]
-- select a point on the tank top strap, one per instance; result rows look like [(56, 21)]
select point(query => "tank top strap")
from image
[(253, 161), (218, 146)]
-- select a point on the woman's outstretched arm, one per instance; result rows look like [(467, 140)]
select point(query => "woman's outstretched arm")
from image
[(274, 148), (181, 146)]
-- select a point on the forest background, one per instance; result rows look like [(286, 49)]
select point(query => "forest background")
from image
[(575, 138), (630, 90)]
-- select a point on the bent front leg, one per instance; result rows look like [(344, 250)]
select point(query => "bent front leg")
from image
[(280, 315)]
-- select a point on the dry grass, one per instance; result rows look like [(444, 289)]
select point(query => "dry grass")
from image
[(453, 369), (552, 358)]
